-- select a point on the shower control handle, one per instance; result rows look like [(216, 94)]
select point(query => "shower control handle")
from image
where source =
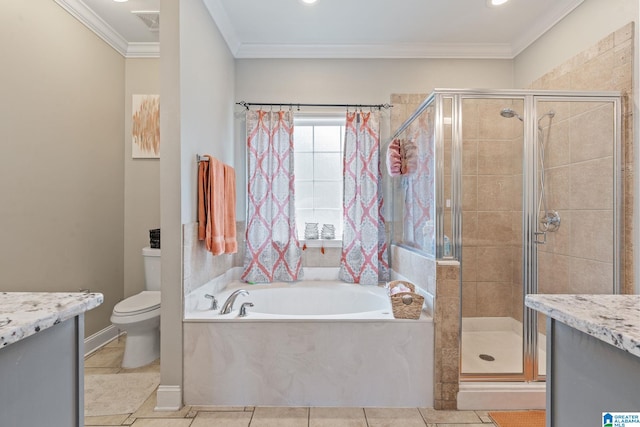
[(544, 237)]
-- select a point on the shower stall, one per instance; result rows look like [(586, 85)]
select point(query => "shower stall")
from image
[(523, 188)]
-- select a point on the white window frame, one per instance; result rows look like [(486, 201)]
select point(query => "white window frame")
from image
[(318, 119)]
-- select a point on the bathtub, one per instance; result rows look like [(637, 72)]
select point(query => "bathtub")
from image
[(303, 300), (314, 343)]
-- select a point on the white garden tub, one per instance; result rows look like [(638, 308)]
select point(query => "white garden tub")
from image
[(316, 343)]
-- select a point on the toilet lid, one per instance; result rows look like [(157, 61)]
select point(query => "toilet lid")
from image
[(140, 303)]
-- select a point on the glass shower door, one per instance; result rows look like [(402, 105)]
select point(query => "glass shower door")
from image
[(577, 201), (492, 144)]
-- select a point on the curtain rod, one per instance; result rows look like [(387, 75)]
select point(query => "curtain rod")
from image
[(270, 104)]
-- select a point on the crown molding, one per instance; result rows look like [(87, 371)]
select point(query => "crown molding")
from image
[(143, 50), (79, 10), (220, 17), (536, 31), (378, 51)]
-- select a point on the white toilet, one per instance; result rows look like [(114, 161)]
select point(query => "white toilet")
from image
[(139, 316)]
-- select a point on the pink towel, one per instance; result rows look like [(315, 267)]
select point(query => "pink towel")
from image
[(230, 242), (215, 219), (203, 199), (217, 206)]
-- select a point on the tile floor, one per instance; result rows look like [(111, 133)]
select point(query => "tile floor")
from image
[(107, 361)]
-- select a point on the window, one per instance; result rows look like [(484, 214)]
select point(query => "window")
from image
[(318, 148)]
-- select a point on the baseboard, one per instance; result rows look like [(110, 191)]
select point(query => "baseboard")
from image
[(501, 396), (100, 339), (168, 398)]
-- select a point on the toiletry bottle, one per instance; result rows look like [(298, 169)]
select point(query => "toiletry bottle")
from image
[(447, 246)]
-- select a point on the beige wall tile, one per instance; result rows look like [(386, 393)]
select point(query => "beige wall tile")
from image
[(592, 184), (558, 188), (554, 273), (592, 135), (590, 277), (495, 228), (494, 299), (494, 264), (592, 235), (497, 157), (495, 192), (469, 192), (469, 156)]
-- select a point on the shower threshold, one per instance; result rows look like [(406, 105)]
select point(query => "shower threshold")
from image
[(497, 396)]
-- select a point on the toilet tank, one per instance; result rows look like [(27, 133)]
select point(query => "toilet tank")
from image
[(151, 259)]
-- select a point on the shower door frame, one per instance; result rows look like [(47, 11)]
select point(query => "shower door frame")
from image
[(530, 189)]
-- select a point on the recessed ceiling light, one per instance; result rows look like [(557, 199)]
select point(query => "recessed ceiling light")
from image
[(309, 1), (492, 3), (120, 1)]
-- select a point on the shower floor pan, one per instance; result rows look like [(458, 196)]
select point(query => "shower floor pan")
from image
[(493, 345)]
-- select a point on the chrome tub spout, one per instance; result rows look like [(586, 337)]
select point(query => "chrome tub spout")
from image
[(227, 307)]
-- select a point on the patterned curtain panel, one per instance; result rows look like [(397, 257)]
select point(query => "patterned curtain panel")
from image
[(364, 246), (272, 248)]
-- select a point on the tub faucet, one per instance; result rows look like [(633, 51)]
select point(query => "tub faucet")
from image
[(228, 304)]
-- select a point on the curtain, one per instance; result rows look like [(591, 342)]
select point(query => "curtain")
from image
[(364, 247), (272, 248), (419, 188)]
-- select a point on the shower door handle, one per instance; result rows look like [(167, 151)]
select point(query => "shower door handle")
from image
[(537, 234)]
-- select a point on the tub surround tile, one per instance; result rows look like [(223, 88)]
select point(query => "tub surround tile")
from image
[(614, 319), (23, 314)]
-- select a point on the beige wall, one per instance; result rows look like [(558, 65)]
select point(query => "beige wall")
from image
[(61, 156), (141, 178)]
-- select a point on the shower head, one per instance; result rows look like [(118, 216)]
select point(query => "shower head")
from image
[(509, 113)]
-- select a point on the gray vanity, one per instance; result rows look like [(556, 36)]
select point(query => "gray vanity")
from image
[(42, 357), (593, 356)]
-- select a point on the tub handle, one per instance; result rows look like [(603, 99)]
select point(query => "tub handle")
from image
[(243, 309), (214, 301)]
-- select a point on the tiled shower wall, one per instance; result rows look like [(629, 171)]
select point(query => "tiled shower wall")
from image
[(579, 169), (491, 207)]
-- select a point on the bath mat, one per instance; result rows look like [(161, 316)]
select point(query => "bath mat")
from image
[(113, 394), (519, 419)]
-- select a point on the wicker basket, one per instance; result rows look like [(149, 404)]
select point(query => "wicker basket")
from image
[(406, 305)]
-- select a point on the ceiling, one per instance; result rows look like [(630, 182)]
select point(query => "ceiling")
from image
[(341, 28)]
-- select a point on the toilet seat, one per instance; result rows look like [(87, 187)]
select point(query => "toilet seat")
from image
[(143, 306)]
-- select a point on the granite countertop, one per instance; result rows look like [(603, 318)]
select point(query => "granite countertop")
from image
[(614, 319), (23, 314)]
